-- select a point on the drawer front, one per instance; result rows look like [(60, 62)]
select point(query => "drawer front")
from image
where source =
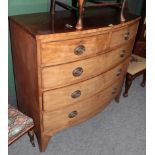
[(80, 111), (63, 75), (123, 35), (58, 98), (72, 50)]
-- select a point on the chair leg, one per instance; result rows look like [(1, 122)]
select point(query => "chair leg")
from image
[(122, 19), (52, 8), (79, 24), (128, 82), (31, 136), (144, 80)]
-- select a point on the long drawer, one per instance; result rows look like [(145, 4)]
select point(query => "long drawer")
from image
[(80, 111), (66, 51), (123, 35), (69, 95), (63, 75)]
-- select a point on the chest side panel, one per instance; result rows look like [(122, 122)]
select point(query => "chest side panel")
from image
[(24, 54)]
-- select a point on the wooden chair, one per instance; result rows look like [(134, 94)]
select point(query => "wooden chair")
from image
[(18, 125), (137, 67), (81, 4)]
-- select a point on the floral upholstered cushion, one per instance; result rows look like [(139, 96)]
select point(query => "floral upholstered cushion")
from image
[(18, 124)]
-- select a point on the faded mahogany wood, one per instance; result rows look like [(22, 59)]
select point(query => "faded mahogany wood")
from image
[(55, 99), (120, 36), (61, 75), (58, 119), (26, 76), (44, 59), (92, 45)]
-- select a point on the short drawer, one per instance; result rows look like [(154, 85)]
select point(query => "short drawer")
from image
[(123, 35), (71, 73), (69, 95), (71, 50), (65, 117)]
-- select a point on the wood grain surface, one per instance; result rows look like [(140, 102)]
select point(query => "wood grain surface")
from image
[(64, 76), (61, 75), (59, 119), (59, 98), (64, 51)]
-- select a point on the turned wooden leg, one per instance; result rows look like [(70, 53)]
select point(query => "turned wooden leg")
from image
[(144, 80), (79, 24), (31, 136), (128, 82), (122, 19), (52, 8)]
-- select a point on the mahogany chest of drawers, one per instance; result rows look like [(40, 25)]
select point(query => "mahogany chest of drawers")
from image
[(64, 76)]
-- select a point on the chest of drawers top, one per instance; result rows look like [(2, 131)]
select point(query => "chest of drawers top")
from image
[(41, 25)]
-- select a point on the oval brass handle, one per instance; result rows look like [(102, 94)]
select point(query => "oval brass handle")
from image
[(72, 114), (122, 54), (76, 94), (119, 72), (126, 36), (77, 72), (79, 50), (114, 91)]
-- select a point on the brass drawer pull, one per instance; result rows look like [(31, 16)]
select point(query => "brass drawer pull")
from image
[(77, 72), (79, 50), (122, 54), (114, 91), (73, 114), (119, 72), (76, 94), (127, 35)]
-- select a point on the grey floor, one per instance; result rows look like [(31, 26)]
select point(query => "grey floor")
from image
[(118, 130)]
